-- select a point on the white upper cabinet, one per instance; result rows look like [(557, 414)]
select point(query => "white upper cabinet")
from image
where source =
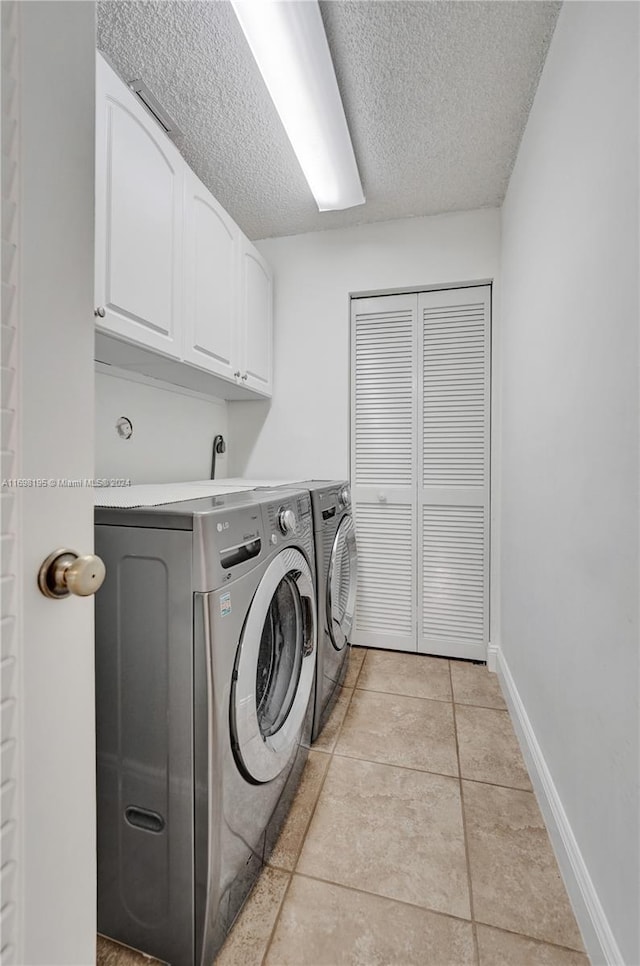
[(256, 320), (139, 204), (181, 294), (211, 247)]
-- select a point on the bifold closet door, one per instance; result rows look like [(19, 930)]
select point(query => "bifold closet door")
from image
[(420, 470), (384, 453), (453, 471)]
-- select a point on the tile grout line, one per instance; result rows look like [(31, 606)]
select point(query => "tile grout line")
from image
[(355, 683), (379, 895), (277, 917), (534, 939), (424, 697), (464, 824), (433, 912), (292, 872), (427, 771)]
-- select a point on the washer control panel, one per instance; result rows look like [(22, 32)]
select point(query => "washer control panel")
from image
[(287, 521)]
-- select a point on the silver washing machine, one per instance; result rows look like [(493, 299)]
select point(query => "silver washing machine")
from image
[(336, 575), (206, 636)]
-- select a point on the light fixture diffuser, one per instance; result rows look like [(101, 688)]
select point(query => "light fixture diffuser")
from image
[(289, 44)]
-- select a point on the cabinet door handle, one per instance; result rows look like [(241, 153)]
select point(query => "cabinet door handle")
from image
[(245, 376), (237, 373)]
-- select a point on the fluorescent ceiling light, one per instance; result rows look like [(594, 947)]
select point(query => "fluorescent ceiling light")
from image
[(288, 42)]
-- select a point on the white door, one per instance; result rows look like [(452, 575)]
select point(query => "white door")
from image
[(48, 754), (211, 274), (420, 470), (384, 469), (257, 320), (453, 471), (139, 209)]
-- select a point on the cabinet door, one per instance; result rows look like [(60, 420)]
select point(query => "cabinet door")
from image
[(257, 321), (139, 202), (211, 282)]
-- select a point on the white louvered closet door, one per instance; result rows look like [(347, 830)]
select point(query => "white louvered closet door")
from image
[(384, 468), (420, 470), (453, 495)]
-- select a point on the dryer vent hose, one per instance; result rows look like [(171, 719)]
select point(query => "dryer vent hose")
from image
[(219, 447)]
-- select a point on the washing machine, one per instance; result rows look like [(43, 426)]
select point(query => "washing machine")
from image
[(336, 575), (206, 635)]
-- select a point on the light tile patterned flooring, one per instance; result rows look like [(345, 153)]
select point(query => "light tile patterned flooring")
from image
[(414, 838)]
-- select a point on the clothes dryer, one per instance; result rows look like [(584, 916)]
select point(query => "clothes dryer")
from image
[(336, 577), (206, 634)]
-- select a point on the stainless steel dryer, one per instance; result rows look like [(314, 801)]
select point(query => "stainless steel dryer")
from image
[(205, 656), (336, 575)]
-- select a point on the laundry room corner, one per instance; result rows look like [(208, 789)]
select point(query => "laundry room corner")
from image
[(148, 431)]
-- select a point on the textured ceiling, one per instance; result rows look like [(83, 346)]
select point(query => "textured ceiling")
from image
[(436, 96)]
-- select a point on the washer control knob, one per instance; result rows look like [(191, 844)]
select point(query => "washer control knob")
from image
[(344, 496), (287, 521)]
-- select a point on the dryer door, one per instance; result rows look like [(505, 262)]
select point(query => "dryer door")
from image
[(342, 579), (274, 668)]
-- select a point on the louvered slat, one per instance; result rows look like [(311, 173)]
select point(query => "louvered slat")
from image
[(385, 572), (453, 573), (383, 364), (454, 393)]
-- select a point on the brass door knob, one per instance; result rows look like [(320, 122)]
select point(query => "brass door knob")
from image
[(64, 572)]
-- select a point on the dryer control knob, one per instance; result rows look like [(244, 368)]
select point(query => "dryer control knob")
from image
[(345, 496), (287, 521)]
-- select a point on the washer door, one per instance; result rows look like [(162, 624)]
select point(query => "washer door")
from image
[(274, 667), (342, 579)]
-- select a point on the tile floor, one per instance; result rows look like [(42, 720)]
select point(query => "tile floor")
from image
[(414, 838)]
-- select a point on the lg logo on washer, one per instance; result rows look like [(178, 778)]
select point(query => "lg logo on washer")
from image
[(222, 526)]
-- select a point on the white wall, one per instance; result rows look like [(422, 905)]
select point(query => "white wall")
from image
[(305, 430), (569, 325), (173, 431)]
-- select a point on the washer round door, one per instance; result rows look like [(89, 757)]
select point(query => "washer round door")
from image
[(342, 579), (274, 667)]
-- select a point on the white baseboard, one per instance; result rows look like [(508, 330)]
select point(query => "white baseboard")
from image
[(596, 932)]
